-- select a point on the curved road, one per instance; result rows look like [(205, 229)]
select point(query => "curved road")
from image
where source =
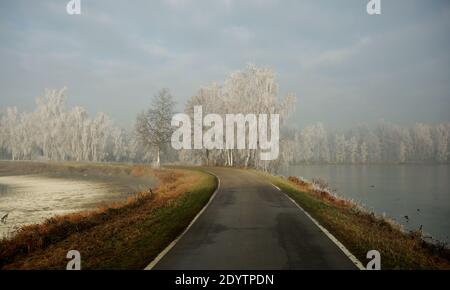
[(251, 225)]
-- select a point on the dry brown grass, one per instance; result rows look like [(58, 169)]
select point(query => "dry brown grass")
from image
[(361, 231), (321, 194), (123, 235)]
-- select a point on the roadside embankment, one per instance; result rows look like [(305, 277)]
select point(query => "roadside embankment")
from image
[(361, 231), (126, 235)]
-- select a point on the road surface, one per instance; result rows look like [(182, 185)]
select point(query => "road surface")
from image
[(251, 225)]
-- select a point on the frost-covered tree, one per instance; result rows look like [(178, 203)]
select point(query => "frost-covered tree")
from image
[(423, 142), (249, 91), (383, 143), (363, 153), (441, 137), (339, 148), (313, 144), (351, 148), (153, 127), (54, 132)]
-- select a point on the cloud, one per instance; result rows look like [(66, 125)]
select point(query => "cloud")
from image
[(237, 33), (178, 4), (156, 50), (331, 54), (336, 56)]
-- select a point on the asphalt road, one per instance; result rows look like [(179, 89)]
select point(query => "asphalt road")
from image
[(251, 225)]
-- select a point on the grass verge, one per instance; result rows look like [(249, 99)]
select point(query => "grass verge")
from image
[(361, 231), (122, 236)]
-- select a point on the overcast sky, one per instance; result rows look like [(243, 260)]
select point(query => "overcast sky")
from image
[(344, 66)]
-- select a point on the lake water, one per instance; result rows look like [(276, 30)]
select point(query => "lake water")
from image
[(29, 199), (420, 192)]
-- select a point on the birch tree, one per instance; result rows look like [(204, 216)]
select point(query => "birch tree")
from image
[(442, 135), (153, 127), (54, 132), (249, 91)]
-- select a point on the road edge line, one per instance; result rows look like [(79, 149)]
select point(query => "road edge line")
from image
[(174, 242), (349, 255)]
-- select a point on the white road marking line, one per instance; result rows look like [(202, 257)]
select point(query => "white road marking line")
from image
[(276, 187), (174, 242), (352, 257)]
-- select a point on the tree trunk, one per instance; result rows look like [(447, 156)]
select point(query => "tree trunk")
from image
[(158, 158), (247, 159)]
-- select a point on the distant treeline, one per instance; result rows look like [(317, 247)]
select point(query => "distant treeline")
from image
[(54, 132), (382, 143)]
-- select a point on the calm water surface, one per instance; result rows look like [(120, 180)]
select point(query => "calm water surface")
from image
[(29, 199), (419, 192)]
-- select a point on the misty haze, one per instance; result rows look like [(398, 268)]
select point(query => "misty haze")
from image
[(91, 103)]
